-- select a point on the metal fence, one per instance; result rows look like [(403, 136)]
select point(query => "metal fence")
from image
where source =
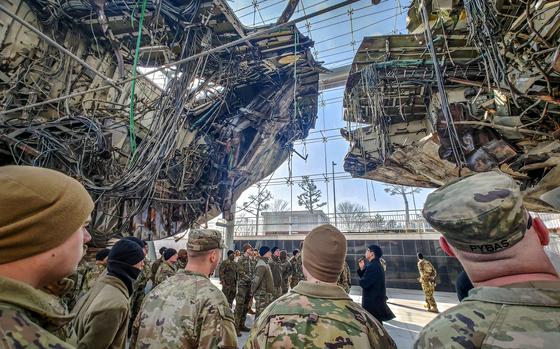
[(355, 222), (396, 221)]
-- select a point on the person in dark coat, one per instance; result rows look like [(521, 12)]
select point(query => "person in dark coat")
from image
[(463, 285), (372, 281)]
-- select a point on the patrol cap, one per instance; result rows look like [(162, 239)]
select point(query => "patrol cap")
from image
[(482, 213), (204, 240)]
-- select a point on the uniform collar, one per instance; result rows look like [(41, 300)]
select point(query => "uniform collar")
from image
[(320, 290), (115, 282), (541, 293), (189, 272), (44, 308)]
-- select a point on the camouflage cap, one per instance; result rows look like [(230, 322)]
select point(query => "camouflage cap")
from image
[(482, 213), (204, 240)]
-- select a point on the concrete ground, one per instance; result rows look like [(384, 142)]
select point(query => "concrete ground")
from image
[(408, 306)]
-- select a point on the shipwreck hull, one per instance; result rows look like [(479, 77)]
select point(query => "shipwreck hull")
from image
[(188, 142), (501, 83)]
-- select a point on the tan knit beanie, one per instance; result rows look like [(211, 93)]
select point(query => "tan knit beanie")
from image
[(324, 252), (39, 210)]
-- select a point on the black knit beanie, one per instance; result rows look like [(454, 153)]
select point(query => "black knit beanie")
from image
[(136, 240), (273, 249), (126, 251), (102, 254), (122, 258), (263, 250), (168, 253)]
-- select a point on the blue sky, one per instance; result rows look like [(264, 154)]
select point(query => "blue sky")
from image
[(333, 37)]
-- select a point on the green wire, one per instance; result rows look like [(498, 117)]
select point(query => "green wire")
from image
[(133, 82)]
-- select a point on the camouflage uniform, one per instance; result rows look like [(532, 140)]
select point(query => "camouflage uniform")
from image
[(263, 285), (228, 278), (523, 315), (383, 264), (484, 214), (164, 271), (138, 294), (93, 275), (245, 275), (286, 268), (344, 280), (297, 268), (317, 316), (78, 277), (154, 268), (427, 280), (276, 270), (180, 264), (187, 311), (29, 317)]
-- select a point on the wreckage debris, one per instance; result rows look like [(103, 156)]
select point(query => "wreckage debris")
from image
[(499, 65), (173, 153)]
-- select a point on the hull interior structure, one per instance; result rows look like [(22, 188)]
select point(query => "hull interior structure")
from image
[(473, 86), (165, 110)]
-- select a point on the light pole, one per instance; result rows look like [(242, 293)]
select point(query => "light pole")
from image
[(334, 194)]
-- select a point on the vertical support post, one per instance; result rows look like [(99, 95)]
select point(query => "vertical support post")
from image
[(334, 194), (230, 228)]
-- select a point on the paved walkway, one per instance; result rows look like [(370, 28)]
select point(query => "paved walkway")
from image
[(408, 306)]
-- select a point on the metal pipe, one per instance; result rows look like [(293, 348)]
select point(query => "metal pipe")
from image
[(334, 194), (58, 46), (193, 57)]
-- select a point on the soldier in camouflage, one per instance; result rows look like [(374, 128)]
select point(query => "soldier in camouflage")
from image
[(276, 269), (139, 288), (297, 274), (344, 280), (167, 267), (78, 278), (427, 280), (182, 259), (43, 220), (318, 314), (245, 275), (228, 277), (286, 269), (263, 283), (516, 302), (188, 311), (99, 268), (156, 264)]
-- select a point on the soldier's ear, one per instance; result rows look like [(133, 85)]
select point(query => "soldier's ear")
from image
[(445, 247), (542, 231)]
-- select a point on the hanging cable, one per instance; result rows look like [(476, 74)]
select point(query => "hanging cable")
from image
[(132, 133)]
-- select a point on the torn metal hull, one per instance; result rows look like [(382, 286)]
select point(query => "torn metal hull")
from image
[(178, 152), (498, 64)]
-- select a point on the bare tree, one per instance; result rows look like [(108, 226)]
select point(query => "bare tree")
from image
[(401, 190), (377, 222), (279, 205), (351, 216), (311, 195), (257, 204)]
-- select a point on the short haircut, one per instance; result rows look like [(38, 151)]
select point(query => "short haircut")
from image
[(198, 254)]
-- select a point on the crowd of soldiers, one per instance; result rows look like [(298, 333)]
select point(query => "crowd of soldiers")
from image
[(51, 298)]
